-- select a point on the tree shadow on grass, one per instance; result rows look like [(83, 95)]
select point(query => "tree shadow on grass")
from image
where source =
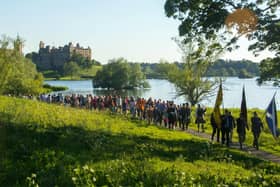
[(53, 152)]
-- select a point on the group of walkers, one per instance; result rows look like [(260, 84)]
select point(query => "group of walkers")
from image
[(160, 112), (165, 113), (229, 123)]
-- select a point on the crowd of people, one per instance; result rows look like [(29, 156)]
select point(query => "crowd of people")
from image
[(165, 113), (160, 112)]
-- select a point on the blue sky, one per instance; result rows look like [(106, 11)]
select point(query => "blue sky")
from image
[(137, 30)]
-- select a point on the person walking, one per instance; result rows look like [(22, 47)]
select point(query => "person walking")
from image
[(257, 127), (186, 116), (171, 115), (241, 126), (227, 125), (232, 127), (215, 128), (199, 120)]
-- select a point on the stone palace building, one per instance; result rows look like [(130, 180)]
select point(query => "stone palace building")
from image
[(54, 58)]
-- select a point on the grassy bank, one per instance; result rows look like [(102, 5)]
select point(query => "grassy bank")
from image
[(50, 88), (53, 145), (88, 73)]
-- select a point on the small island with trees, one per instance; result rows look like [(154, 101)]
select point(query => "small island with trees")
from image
[(119, 74)]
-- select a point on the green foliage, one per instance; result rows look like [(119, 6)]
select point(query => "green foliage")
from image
[(50, 145), (136, 76), (217, 69), (119, 74), (84, 63), (18, 75), (87, 73), (163, 68), (50, 74), (258, 20), (270, 71), (54, 88), (232, 68), (244, 74), (160, 70), (81, 61), (190, 81), (71, 68), (86, 66), (209, 18), (32, 56)]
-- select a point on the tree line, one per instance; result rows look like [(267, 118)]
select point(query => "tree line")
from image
[(224, 68)]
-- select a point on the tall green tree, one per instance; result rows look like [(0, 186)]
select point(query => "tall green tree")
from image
[(82, 61), (18, 75), (190, 81), (119, 74), (136, 75), (163, 68), (258, 20), (270, 71), (71, 68)]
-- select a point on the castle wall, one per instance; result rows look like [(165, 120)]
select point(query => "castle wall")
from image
[(84, 52), (55, 58)]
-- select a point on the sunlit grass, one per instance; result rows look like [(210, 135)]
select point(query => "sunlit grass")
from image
[(53, 145), (82, 74)]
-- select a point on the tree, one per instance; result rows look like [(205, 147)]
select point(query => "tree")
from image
[(190, 81), (243, 73), (136, 76), (163, 68), (270, 71), (119, 74), (258, 20), (71, 68), (81, 61), (18, 75)]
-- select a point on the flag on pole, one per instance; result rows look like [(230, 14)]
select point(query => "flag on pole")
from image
[(271, 117), (243, 108), (217, 112)]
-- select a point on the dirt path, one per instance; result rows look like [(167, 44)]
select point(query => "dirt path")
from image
[(249, 149)]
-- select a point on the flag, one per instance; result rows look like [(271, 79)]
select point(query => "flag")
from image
[(271, 117), (217, 112), (243, 108)]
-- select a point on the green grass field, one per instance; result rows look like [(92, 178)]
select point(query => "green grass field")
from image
[(50, 145), (88, 73)]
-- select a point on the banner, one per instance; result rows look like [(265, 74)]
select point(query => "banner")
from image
[(217, 112), (271, 117), (243, 108)]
